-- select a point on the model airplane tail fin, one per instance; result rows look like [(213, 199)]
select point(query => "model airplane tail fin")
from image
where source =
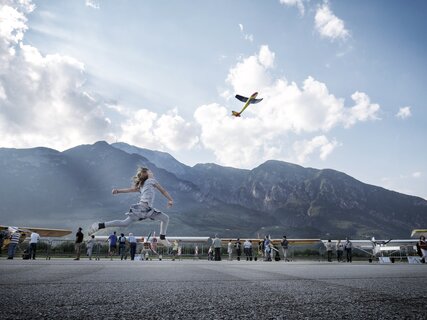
[(235, 113)]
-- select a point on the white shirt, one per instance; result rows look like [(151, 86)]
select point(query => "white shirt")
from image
[(132, 239), (34, 237), (147, 191)]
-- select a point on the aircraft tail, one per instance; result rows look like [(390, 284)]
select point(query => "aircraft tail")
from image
[(235, 113)]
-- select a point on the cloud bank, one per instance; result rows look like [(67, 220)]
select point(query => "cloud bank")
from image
[(44, 101), (264, 130), (42, 98)]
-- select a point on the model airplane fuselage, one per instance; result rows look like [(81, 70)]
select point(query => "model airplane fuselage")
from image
[(251, 100)]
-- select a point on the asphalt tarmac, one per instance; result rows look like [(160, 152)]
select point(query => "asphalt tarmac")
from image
[(189, 289)]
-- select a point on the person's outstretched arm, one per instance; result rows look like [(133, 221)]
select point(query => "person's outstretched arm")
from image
[(126, 190), (165, 193)]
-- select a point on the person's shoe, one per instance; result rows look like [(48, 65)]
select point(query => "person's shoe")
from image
[(77, 259), (93, 228)]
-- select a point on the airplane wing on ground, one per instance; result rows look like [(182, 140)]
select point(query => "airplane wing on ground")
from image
[(419, 233), (275, 241), (43, 232), (171, 239)]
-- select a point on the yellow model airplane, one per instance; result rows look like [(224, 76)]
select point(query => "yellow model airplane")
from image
[(251, 100), (26, 232)]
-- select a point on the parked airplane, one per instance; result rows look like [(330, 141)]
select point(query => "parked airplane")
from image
[(376, 248), (419, 233), (274, 241), (251, 100), (26, 232), (150, 242)]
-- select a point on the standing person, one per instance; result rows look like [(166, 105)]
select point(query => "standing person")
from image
[(230, 250), (35, 237), (89, 246), (132, 242), (210, 254), (247, 250), (3, 236), (174, 250), (238, 246), (285, 246), (13, 244), (422, 244), (347, 247), (340, 250), (329, 250), (112, 244), (196, 252), (179, 250), (122, 246), (78, 243), (217, 248), (145, 184), (267, 249)]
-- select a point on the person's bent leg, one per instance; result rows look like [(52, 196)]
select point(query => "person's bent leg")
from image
[(116, 223)]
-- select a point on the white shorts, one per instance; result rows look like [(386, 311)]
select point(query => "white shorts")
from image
[(141, 211)]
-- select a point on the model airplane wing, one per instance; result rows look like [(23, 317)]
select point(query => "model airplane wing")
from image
[(43, 232), (244, 99), (256, 100), (241, 98)]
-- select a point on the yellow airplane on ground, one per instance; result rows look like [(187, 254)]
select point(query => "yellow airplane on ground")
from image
[(251, 100), (26, 232), (419, 233)]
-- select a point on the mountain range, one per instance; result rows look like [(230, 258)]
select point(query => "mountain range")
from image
[(46, 188)]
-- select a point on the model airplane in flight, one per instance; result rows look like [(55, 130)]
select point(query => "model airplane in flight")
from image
[(251, 100)]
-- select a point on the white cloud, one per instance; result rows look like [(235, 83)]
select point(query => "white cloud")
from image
[(416, 174), (404, 112), (250, 74), (168, 131), (263, 130), (42, 97), (303, 149), (246, 36), (295, 3), (328, 25), (92, 4)]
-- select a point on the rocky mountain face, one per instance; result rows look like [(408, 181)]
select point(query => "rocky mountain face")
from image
[(44, 187)]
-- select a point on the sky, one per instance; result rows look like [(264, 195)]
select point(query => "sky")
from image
[(342, 82)]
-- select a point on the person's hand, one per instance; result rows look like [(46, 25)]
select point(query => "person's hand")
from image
[(170, 203), (115, 191)]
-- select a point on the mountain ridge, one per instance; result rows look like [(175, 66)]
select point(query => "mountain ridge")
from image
[(73, 187)]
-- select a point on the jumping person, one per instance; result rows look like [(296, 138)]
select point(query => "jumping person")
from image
[(144, 183)]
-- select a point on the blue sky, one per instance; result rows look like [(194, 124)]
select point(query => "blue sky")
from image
[(343, 82)]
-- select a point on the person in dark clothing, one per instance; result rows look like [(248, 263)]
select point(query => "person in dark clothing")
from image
[(78, 243), (347, 247), (238, 246)]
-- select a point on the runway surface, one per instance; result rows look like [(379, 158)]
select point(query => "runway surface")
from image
[(67, 289)]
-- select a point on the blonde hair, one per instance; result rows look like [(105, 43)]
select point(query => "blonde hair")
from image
[(140, 177)]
